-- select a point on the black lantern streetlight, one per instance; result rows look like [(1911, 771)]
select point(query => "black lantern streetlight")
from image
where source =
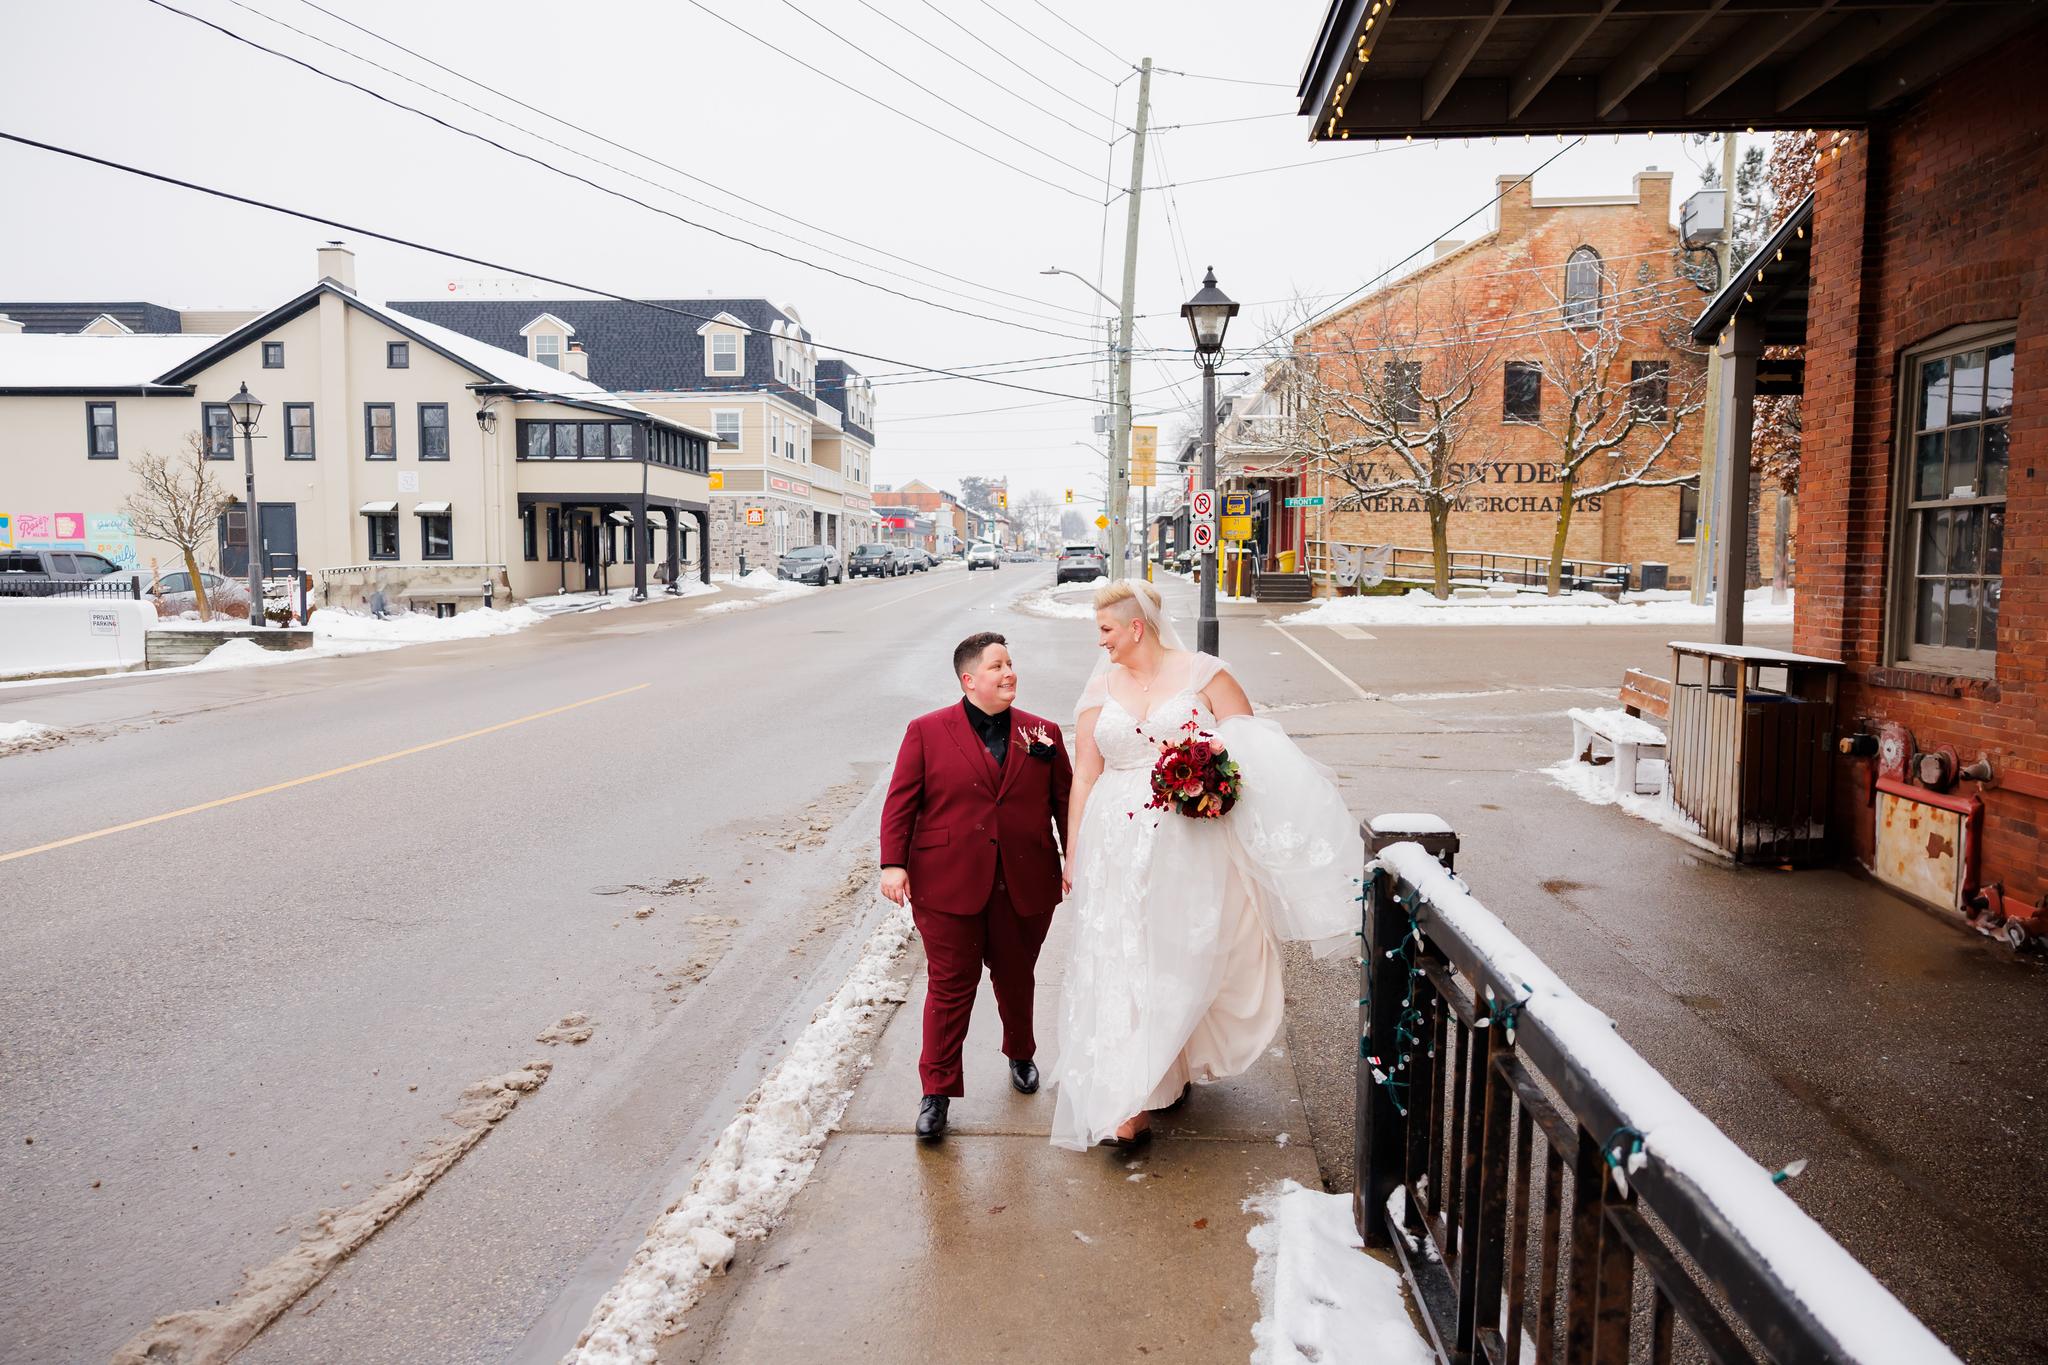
[(245, 407), (1208, 313)]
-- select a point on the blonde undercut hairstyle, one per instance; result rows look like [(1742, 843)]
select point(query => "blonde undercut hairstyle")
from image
[(1123, 597)]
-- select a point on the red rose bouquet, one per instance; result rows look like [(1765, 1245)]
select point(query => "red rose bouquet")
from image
[(1195, 777)]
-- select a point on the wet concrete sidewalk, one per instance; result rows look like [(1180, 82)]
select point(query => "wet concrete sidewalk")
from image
[(996, 1246)]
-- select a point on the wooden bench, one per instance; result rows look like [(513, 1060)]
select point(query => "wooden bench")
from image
[(1628, 734)]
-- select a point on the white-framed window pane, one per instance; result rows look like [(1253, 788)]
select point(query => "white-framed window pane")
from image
[(1952, 551), (547, 349), (727, 426), (725, 353)]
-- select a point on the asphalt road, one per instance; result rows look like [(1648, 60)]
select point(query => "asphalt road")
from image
[(216, 1025)]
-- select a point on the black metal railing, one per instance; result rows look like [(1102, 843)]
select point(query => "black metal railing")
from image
[(1501, 1156), (1412, 564), (116, 586)]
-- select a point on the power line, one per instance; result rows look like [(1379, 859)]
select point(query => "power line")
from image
[(1005, 56), (1040, 39), (586, 180), (981, 152), (486, 264), (631, 151), (977, 72), (1228, 80), (1288, 166), (1119, 60), (911, 80)]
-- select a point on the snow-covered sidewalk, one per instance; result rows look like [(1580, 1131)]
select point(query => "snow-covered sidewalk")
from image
[(557, 604), (1321, 1298), (771, 588), (1419, 608)]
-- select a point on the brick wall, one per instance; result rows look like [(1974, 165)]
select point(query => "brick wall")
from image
[(1513, 277), (1936, 219)]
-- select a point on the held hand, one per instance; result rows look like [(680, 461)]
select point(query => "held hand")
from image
[(896, 885), (1067, 876)]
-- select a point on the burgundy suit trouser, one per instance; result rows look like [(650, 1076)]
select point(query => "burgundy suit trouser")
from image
[(956, 947)]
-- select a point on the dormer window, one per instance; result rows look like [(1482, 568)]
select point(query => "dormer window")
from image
[(547, 337), (547, 349), (725, 353)]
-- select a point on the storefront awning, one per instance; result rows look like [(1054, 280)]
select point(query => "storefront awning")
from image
[(430, 509), (378, 509)]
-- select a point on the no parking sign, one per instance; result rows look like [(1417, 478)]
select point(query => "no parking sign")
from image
[(1203, 503), (1204, 534)]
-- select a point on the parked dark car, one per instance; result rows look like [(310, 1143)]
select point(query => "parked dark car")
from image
[(34, 573), (911, 561), (874, 560), (1080, 563), (817, 564)]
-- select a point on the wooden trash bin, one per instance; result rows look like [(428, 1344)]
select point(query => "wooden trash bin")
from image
[(1752, 749)]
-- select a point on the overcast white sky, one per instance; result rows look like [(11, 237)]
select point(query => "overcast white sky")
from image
[(131, 81)]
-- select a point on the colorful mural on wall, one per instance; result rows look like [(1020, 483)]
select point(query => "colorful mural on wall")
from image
[(102, 533)]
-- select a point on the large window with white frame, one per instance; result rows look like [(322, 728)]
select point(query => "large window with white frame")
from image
[(1948, 541), (547, 349), (725, 423)]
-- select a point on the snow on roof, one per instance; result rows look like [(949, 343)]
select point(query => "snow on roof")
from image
[(43, 360)]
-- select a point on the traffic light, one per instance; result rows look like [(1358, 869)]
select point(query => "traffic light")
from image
[(1070, 495), (1002, 501)]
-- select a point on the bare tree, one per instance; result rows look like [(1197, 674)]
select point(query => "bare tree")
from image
[(1621, 416), (177, 502), (1038, 513), (1382, 396)]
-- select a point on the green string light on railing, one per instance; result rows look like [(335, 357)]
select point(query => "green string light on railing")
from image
[(1791, 1170), (1624, 1152)]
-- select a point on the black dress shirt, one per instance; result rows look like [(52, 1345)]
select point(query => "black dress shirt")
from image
[(994, 730)]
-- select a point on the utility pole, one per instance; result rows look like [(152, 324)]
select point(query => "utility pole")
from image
[(1710, 427), (1120, 393)]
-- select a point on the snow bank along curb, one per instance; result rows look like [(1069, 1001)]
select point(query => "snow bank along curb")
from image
[(19, 734), (1847, 1302), (1066, 602), (1421, 608), (206, 1335), (758, 1163), (1321, 1297)]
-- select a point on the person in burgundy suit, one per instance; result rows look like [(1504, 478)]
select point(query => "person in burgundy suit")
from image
[(967, 844)]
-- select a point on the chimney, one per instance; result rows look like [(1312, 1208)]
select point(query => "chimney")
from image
[(9, 327), (1653, 192), (577, 361), (338, 266), (1517, 204)]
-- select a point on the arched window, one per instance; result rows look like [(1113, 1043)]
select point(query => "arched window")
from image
[(1582, 288)]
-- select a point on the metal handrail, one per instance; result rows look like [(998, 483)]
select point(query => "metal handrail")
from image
[(1472, 1056), (113, 585), (1412, 564)]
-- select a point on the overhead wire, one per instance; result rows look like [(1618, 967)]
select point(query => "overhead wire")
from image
[(912, 81), (1114, 56), (623, 147), (485, 263), (982, 152), (976, 71), (1042, 41), (569, 174), (1004, 56), (1228, 80)]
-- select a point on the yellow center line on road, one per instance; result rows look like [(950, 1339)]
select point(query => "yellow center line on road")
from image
[(314, 777)]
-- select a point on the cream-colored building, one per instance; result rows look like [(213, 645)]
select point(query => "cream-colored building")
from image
[(391, 456), (794, 435)]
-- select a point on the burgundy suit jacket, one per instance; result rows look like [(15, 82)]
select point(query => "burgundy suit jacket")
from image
[(950, 814)]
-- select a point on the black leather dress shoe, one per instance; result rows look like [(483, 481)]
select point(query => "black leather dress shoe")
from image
[(1185, 1091), (1024, 1076), (931, 1118)]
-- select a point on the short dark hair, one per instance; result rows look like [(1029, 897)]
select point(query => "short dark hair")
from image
[(968, 652)]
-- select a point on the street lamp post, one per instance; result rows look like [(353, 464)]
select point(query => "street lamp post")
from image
[(1208, 313), (245, 407)]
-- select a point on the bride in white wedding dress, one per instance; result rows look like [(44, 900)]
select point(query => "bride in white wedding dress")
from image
[(1173, 976)]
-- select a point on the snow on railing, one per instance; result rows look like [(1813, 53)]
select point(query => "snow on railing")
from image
[(1458, 1021)]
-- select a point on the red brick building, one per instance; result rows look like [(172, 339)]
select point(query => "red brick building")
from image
[(1513, 285), (1916, 278)]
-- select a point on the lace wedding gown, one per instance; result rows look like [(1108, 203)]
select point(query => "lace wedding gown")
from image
[(1174, 970)]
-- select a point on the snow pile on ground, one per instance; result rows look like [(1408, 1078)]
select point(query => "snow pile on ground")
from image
[(417, 627), (1420, 608), (1596, 787), (1067, 602), (1843, 1299), (757, 1165), (556, 604), (771, 588), (15, 734), (1321, 1298)]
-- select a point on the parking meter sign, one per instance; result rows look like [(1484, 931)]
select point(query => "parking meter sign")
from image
[(1204, 533), (1203, 503)]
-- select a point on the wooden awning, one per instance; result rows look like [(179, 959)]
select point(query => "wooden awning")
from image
[(1462, 68), (1772, 286)]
